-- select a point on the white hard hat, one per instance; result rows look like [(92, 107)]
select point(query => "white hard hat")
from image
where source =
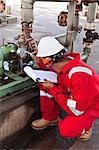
[(48, 46)]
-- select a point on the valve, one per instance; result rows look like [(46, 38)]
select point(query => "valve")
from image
[(62, 18), (78, 8), (90, 36), (77, 1), (26, 27), (32, 45), (77, 29), (25, 36), (2, 6)]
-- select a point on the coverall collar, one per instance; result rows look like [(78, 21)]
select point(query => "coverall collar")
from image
[(75, 56)]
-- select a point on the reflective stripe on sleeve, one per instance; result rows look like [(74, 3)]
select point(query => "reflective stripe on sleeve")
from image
[(79, 69), (43, 93), (72, 106), (76, 112)]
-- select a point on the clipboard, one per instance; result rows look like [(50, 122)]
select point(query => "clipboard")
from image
[(40, 75)]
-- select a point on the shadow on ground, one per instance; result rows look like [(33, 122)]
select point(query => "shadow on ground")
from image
[(47, 139)]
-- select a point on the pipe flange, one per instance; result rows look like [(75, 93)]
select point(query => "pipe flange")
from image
[(2, 6), (62, 18), (89, 26)]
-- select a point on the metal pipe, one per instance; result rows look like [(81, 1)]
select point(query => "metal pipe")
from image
[(61, 38), (70, 21), (90, 26), (92, 12), (27, 10), (76, 25)]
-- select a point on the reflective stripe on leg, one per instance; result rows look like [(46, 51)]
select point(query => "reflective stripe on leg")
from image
[(43, 93)]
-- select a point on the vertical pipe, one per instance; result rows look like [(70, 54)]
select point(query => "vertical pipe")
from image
[(91, 12), (27, 10), (70, 20), (71, 15), (90, 26), (76, 25), (76, 20)]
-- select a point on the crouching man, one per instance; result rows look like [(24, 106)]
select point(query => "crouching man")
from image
[(77, 92)]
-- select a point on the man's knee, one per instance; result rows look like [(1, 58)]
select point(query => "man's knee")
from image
[(67, 130), (67, 133)]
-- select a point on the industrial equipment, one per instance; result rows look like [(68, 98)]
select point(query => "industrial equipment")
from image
[(12, 61)]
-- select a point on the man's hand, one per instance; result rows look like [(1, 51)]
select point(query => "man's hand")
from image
[(47, 85), (36, 59)]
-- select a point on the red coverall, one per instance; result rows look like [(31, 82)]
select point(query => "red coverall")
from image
[(82, 102), (48, 106)]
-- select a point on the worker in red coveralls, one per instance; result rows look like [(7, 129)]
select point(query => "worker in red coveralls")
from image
[(77, 92)]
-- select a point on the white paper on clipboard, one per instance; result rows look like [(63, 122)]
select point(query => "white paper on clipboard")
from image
[(40, 75)]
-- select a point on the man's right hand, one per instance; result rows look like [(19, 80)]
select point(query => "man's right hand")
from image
[(38, 60)]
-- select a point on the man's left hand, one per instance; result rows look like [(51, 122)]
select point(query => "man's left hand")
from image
[(47, 85)]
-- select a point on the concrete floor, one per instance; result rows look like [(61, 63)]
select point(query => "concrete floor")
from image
[(48, 139)]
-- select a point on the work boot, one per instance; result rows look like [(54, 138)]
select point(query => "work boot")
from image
[(40, 124), (86, 136)]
